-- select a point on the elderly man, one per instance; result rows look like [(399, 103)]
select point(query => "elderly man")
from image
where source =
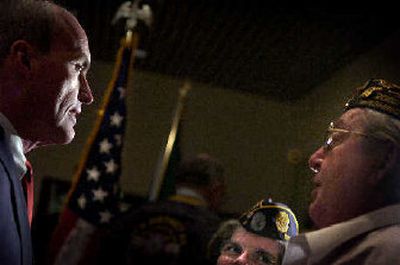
[(44, 58), (355, 202)]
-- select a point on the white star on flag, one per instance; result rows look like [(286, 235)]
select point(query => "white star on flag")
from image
[(82, 201), (116, 119), (93, 174), (121, 92), (105, 146), (105, 217), (111, 166), (99, 194)]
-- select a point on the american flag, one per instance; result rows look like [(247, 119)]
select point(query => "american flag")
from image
[(95, 196), (93, 199)]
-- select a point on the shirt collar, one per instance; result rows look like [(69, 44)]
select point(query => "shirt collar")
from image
[(189, 196), (313, 246), (15, 144), (342, 232), (189, 192)]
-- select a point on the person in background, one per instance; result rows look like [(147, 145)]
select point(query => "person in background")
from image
[(356, 197), (175, 230), (257, 237), (44, 58)]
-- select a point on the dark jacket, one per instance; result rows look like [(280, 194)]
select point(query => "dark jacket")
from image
[(15, 234), (168, 232)]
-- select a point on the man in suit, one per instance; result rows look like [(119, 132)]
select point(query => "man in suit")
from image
[(44, 58), (356, 198)]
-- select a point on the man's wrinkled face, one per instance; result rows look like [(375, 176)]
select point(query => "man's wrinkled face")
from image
[(248, 248), (60, 87), (342, 169)]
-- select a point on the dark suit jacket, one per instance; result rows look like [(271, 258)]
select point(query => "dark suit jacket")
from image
[(15, 237)]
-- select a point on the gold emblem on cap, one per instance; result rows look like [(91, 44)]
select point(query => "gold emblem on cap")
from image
[(282, 222), (370, 90)]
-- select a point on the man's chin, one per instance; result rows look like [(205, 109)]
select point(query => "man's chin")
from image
[(320, 216), (62, 137), (68, 138)]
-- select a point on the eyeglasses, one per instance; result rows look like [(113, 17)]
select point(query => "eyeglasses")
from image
[(258, 256), (336, 136)]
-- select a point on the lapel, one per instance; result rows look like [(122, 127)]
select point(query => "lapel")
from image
[(18, 200)]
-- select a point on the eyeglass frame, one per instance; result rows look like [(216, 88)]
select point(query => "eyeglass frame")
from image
[(328, 146)]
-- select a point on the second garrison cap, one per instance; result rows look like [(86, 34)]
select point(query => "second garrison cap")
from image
[(270, 219)]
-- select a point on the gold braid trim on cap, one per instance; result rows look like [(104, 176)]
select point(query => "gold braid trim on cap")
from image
[(379, 95)]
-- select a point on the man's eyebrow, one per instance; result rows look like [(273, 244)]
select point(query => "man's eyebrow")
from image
[(83, 58), (86, 64), (229, 241), (261, 250), (339, 123)]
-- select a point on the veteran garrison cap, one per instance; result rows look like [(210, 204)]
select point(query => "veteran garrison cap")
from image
[(270, 219), (379, 95)]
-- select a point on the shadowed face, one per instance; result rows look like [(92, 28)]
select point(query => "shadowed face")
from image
[(248, 248), (59, 85), (343, 171)]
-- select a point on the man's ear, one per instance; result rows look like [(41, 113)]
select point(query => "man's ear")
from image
[(23, 53), (388, 162)]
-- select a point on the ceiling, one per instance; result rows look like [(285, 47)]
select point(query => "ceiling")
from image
[(279, 52)]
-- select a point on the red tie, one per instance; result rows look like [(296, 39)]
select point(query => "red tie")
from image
[(27, 184)]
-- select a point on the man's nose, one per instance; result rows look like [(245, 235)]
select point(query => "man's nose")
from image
[(243, 259), (85, 94), (316, 159)]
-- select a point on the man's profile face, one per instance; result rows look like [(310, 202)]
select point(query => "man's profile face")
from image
[(60, 86), (341, 187)]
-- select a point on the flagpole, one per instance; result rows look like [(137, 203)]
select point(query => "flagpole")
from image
[(161, 168)]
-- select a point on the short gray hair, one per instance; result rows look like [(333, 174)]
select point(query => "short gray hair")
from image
[(386, 128), (220, 237), (382, 126), (28, 20)]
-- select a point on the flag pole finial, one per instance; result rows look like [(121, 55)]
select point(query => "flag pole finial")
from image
[(133, 13)]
